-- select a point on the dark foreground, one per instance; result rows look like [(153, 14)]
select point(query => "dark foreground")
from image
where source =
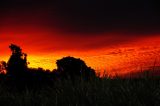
[(97, 92)]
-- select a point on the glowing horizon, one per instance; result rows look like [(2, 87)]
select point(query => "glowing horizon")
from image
[(122, 59), (116, 36)]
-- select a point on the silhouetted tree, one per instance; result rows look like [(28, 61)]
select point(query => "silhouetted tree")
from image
[(73, 68), (17, 64), (67, 67)]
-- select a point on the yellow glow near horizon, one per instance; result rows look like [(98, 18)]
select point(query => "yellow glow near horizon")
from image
[(117, 60), (46, 62), (114, 61)]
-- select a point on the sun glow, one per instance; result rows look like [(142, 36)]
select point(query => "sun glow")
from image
[(121, 59), (115, 61)]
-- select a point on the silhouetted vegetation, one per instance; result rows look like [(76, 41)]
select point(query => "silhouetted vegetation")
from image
[(3, 66), (25, 86), (70, 67), (97, 92), (17, 63)]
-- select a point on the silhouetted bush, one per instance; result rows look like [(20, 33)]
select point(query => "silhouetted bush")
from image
[(40, 74), (3, 66), (17, 64), (70, 67)]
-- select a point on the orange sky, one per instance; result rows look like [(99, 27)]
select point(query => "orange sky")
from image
[(116, 58), (116, 36)]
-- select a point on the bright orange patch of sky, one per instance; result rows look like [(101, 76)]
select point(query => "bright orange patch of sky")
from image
[(120, 59), (116, 38)]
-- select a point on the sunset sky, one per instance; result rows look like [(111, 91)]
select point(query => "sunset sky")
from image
[(118, 36)]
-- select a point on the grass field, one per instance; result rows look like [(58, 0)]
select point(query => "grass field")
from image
[(97, 92)]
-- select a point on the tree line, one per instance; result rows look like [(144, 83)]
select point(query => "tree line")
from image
[(67, 68)]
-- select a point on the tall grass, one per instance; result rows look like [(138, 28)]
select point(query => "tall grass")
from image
[(97, 92)]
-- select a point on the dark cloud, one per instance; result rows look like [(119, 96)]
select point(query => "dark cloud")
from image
[(86, 16), (77, 24)]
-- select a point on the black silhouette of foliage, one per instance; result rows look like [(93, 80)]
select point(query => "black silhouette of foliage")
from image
[(3, 66), (72, 67), (68, 67), (40, 74), (17, 63)]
